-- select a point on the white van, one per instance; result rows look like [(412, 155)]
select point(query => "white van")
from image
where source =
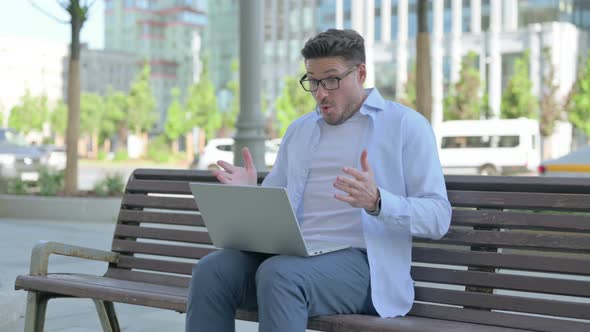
[(489, 147)]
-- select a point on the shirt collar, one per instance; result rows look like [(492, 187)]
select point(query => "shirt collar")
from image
[(373, 102)]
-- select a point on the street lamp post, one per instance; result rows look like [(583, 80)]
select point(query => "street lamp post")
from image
[(250, 122)]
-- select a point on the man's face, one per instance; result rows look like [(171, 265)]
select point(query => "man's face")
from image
[(337, 106)]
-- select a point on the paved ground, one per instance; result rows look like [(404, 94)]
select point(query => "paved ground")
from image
[(17, 237)]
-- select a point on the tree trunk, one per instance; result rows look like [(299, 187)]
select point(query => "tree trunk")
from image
[(107, 146), (145, 140), (94, 146), (73, 129), (175, 146), (423, 68), (190, 147), (547, 147)]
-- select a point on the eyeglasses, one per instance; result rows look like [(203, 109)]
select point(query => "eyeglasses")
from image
[(330, 83)]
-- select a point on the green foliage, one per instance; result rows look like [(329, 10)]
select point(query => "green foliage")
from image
[(518, 99), (550, 106), (201, 105), (121, 155), (111, 185), (158, 150), (115, 110), (50, 182), (91, 113), (579, 105), (229, 119), (292, 103), (13, 186), (59, 118), (463, 102), (176, 119), (30, 114), (141, 103), (101, 155), (409, 97)]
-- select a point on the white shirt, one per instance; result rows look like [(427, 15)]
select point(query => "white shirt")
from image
[(402, 152), (324, 217)]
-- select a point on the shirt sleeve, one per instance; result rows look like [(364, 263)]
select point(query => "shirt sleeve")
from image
[(425, 210), (277, 177)]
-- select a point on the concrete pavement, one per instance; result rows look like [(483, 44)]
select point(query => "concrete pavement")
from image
[(18, 236)]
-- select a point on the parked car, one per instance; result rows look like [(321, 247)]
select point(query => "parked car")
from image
[(222, 149), (576, 164), (55, 157), (17, 158)]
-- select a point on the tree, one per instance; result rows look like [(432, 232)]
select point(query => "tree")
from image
[(551, 108), (201, 108), (463, 102), (59, 119), (229, 117), (579, 103), (423, 68), (78, 15), (141, 103), (91, 119), (292, 103), (115, 110), (141, 106), (30, 114), (518, 99), (175, 120), (409, 98)]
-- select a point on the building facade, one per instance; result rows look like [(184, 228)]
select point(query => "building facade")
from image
[(498, 31), (166, 34), (102, 69)]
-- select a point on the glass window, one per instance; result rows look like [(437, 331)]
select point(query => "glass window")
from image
[(508, 141), (459, 142)]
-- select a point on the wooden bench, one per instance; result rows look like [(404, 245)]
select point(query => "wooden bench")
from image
[(517, 257)]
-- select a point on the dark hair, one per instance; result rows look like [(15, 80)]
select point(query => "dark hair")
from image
[(347, 44)]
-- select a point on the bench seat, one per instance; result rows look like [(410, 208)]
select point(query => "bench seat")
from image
[(516, 258)]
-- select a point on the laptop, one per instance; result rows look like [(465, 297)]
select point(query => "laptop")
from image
[(254, 218)]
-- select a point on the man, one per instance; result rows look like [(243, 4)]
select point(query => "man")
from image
[(359, 170)]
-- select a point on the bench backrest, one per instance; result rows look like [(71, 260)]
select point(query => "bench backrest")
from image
[(517, 254)]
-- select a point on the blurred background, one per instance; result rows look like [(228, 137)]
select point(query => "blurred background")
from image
[(159, 81)]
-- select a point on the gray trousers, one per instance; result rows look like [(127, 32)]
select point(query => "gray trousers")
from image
[(285, 290)]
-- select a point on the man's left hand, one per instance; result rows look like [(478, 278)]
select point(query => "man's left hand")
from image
[(360, 187)]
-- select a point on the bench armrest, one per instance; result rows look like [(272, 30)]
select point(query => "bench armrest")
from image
[(42, 250)]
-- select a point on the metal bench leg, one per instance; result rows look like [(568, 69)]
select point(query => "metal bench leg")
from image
[(107, 315), (35, 314)]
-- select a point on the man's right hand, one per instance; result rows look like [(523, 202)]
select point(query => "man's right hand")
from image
[(245, 176)]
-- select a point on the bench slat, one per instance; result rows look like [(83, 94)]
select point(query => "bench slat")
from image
[(130, 262), (514, 239), (158, 202), (153, 278), (516, 220), (504, 302), (184, 219), (512, 200), (537, 184), (159, 186), (502, 260), (180, 175), (126, 246), (496, 318), (176, 235), (502, 281), (85, 286)]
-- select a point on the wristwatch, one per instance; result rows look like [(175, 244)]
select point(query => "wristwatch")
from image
[(377, 208)]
